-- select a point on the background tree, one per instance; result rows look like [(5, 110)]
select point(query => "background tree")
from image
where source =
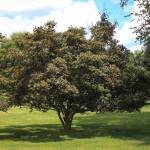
[(9, 63), (143, 35), (143, 30)]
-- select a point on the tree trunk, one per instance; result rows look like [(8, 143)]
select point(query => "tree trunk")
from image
[(66, 121)]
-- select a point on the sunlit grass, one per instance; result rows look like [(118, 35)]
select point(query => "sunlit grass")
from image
[(22, 130)]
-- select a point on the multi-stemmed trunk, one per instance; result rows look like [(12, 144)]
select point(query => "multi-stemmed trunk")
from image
[(66, 120)]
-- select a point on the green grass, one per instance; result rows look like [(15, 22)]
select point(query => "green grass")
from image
[(22, 130)]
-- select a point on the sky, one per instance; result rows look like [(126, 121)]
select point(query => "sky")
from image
[(23, 15)]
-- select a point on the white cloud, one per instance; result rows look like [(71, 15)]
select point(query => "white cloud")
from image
[(75, 14), (78, 14), (21, 5), (135, 48), (116, 1), (126, 35), (18, 23), (128, 8)]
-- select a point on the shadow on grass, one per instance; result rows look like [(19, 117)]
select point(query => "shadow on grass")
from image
[(33, 133), (124, 126)]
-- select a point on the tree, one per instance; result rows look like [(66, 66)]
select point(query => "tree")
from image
[(142, 74), (141, 61), (67, 73), (9, 62), (143, 35), (143, 31)]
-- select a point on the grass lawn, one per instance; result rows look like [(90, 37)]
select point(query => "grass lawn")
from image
[(22, 130)]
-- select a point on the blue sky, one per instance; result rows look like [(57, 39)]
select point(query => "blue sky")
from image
[(114, 10), (23, 15)]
